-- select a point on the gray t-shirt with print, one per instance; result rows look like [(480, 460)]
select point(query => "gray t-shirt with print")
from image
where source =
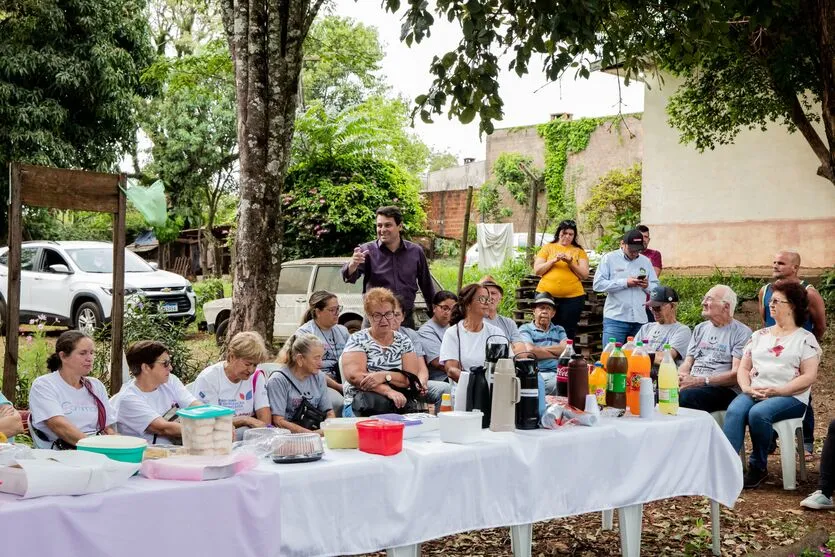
[(508, 327), (677, 335), (714, 348)]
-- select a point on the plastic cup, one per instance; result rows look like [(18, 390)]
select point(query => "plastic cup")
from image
[(591, 404)]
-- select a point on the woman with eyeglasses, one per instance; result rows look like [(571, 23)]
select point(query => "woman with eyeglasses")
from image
[(236, 383), (146, 407), (373, 356), (465, 342), (563, 264), (68, 405), (779, 366), (432, 332), (322, 320)]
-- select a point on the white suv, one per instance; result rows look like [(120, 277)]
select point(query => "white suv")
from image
[(298, 280), (71, 284)]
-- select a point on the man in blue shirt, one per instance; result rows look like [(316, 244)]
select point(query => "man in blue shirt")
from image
[(544, 339), (627, 277)]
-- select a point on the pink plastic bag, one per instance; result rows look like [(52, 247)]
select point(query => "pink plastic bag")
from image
[(198, 468)]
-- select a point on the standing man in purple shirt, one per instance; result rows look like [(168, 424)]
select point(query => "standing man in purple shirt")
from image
[(392, 262), (654, 257)]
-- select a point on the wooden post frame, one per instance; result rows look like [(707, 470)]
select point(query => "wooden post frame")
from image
[(53, 188)]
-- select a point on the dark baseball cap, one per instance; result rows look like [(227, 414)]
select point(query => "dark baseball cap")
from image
[(544, 298), (634, 240), (662, 295)]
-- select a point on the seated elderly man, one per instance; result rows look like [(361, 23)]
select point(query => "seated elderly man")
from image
[(707, 378), (544, 339), (663, 303), (10, 422)]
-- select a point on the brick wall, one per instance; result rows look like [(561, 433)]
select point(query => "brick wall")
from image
[(445, 212)]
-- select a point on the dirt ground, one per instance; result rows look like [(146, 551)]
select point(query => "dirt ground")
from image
[(767, 521)]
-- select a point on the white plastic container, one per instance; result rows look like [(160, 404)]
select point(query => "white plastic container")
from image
[(460, 427), (207, 430)]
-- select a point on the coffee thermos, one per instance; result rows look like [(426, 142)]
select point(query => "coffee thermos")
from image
[(478, 394), (495, 351), (527, 409), (578, 381), (506, 393)]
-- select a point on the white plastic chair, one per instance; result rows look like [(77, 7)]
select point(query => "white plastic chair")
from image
[(790, 433), (268, 368)]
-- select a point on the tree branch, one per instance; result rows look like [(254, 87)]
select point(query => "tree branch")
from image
[(812, 138)]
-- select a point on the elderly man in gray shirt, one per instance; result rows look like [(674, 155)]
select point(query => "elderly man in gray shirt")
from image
[(707, 378)]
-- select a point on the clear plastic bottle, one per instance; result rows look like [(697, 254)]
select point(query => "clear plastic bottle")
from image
[(562, 368), (668, 384)]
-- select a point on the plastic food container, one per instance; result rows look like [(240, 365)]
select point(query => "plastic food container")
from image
[(341, 433), (460, 427), (207, 430), (155, 452), (416, 424), (380, 437), (297, 447), (115, 447)]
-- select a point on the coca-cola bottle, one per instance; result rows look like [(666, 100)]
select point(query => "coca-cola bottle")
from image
[(562, 368)]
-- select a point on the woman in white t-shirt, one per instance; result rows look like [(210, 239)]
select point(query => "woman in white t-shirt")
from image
[(147, 405), (465, 341), (779, 366), (67, 405), (235, 383)]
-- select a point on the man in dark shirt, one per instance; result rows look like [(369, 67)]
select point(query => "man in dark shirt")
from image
[(392, 262)]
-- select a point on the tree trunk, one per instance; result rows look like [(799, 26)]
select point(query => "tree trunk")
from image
[(265, 40), (824, 20)]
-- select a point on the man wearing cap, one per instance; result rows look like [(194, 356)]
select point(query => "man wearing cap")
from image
[(507, 325), (544, 339), (707, 377), (663, 303), (626, 277)]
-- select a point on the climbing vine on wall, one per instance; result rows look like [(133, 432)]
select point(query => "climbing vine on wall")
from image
[(563, 137)]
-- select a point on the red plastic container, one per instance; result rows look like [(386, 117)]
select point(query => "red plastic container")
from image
[(380, 437)]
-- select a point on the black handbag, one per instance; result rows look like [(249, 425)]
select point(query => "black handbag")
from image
[(368, 403), (306, 415)]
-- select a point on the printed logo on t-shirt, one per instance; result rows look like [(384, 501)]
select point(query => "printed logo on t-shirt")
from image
[(247, 396), (71, 408), (232, 403)]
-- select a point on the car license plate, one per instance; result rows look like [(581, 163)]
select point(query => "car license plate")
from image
[(169, 307)]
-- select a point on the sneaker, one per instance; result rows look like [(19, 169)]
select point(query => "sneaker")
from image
[(818, 501), (754, 477)]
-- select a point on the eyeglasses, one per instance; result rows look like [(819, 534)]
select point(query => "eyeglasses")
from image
[(376, 316), (710, 299), (444, 308), (165, 363), (334, 310), (774, 302), (483, 299)]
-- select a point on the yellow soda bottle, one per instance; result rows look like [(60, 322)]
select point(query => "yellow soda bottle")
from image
[(668, 384), (597, 383)]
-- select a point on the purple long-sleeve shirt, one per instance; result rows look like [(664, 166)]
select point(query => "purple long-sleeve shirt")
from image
[(402, 271)]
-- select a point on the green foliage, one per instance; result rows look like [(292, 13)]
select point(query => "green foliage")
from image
[(827, 290), (563, 137), (614, 205), (508, 174), (51, 224), (69, 72), (145, 320), (509, 275), (333, 202), (439, 160), (488, 202), (343, 60), (31, 363), (691, 290), (207, 290)]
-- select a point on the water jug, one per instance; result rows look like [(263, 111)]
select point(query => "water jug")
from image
[(505, 396), (478, 394), (578, 382), (527, 409)]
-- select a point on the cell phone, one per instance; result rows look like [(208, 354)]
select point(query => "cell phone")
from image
[(642, 277)]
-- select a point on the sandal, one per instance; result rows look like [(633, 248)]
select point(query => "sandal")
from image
[(810, 457)]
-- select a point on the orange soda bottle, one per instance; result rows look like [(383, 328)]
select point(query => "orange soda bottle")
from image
[(629, 346), (639, 366), (607, 350)]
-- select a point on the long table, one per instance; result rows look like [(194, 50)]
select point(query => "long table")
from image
[(351, 502)]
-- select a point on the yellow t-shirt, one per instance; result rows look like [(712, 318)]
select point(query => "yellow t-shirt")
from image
[(560, 281)]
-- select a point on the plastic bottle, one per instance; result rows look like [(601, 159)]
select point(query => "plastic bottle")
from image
[(616, 368), (597, 383), (562, 368), (639, 366), (668, 384), (578, 381), (446, 402), (607, 351), (629, 347)]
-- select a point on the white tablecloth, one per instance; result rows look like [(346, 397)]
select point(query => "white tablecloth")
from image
[(233, 517), (351, 502)]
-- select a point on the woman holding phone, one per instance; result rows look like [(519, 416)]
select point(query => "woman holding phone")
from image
[(563, 265)]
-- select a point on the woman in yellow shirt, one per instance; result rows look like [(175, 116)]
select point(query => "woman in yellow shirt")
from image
[(562, 264)]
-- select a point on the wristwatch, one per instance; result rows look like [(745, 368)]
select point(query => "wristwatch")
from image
[(388, 377), (707, 380)]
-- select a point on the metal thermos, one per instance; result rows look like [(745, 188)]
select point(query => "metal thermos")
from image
[(505, 396), (527, 409), (493, 353), (478, 394)]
